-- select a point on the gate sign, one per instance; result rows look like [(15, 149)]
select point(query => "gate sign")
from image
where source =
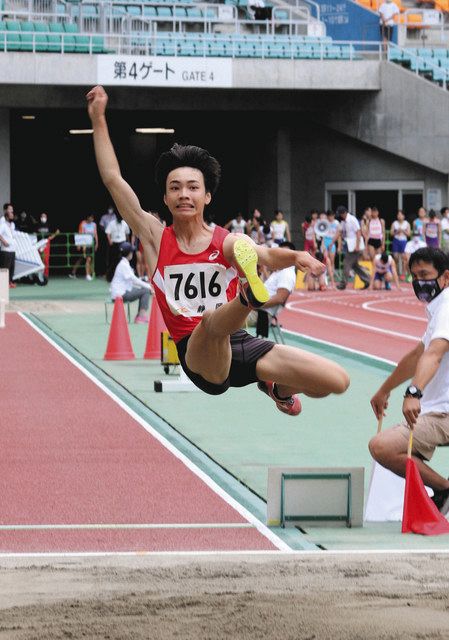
[(159, 71)]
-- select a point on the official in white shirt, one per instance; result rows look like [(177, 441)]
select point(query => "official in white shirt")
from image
[(353, 245), (128, 286), (279, 284), (426, 399), (117, 232), (8, 243)]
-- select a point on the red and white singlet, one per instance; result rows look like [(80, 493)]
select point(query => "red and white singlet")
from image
[(186, 285)]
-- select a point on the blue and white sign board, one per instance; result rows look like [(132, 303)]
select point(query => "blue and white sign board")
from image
[(159, 71)]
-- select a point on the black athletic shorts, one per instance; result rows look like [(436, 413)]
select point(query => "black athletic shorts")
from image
[(246, 351), (375, 242)]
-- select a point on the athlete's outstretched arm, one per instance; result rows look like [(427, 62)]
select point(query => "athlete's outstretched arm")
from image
[(276, 258), (142, 223)]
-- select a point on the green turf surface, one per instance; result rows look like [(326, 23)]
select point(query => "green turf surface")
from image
[(242, 430)]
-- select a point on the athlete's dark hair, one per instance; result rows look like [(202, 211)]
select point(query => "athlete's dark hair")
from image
[(384, 257), (435, 257), (189, 156), (288, 244)]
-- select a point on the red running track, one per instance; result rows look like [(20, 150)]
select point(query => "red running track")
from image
[(386, 324), (70, 455)]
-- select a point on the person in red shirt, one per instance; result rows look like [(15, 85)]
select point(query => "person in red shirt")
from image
[(196, 271)]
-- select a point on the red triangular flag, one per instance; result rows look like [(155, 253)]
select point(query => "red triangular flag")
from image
[(420, 513)]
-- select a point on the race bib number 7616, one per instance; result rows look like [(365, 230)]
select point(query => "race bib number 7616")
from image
[(191, 289)]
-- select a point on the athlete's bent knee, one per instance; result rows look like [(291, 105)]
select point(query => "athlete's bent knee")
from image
[(342, 382), (377, 449)]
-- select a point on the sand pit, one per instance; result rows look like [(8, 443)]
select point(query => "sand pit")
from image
[(301, 597)]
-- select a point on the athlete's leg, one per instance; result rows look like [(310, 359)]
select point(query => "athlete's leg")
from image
[(297, 371), (208, 350)]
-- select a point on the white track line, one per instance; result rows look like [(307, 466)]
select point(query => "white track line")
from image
[(96, 526), (262, 528), (367, 306), (290, 306), (338, 346), (282, 553)]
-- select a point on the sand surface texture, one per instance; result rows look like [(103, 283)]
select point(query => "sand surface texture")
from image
[(305, 597)]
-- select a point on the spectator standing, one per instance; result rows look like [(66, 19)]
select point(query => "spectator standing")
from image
[(353, 244), (387, 12), (7, 242), (117, 232), (331, 238), (376, 234), (102, 257), (445, 229), (237, 224), (426, 398), (24, 223), (321, 282), (400, 233), (88, 227), (279, 285), (384, 271), (432, 231), (308, 232), (420, 221), (280, 229), (364, 227), (413, 245), (128, 286), (42, 226)]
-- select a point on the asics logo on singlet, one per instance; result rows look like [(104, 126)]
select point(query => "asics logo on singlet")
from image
[(214, 255)]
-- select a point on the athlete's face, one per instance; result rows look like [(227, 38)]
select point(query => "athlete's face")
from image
[(185, 192)]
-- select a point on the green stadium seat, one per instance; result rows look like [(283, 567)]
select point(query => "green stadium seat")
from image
[(13, 42), (194, 12), (164, 12), (26, 36), (133, 10), (179, 12), (149, 11), (40, 37)]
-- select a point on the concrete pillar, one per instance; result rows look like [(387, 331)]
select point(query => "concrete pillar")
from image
[(5, 159), (284, 173)]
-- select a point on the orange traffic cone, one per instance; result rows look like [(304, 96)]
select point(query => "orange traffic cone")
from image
[(420, 513), (156, 326), (119, 345)]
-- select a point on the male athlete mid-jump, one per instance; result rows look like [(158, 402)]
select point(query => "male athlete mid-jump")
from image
[(197, 271)]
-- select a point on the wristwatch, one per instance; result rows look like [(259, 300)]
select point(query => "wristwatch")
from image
[(413, 392)]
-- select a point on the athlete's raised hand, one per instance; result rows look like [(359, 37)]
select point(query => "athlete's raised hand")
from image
[(306, 262), (97, 99)]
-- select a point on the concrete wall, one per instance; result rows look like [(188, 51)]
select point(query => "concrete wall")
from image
[(408, 117), (76, 69), (5, 177), (320, 155)]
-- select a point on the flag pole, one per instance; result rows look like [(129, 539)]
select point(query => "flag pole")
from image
[(379, 424), (410, 443)]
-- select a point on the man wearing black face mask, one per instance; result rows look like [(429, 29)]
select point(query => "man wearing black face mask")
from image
[(426, 399)]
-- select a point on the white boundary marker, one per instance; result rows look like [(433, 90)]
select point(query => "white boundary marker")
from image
[(291, 307), (262, 528)]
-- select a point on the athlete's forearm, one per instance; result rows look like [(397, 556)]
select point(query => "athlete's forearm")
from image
[(404, 371), (107, 162)]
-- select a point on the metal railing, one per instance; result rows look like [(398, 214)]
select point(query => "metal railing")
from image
[(64, 252), (182, 44), (421, 66)]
